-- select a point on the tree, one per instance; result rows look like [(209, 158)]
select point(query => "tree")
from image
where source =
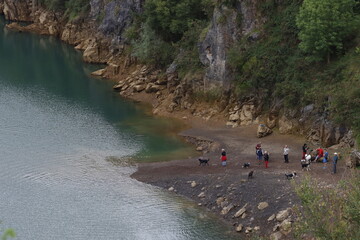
[(324, 24), (171, 18)]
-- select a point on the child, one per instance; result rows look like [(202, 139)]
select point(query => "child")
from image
[(223, 157), (266, 158)]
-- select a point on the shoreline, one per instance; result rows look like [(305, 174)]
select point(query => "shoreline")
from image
[(226, 190)]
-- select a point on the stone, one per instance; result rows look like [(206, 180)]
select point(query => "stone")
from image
[(99, 72), (91, 53), (285, 226), (201, 195), (247, 114), (353, 160), (244, 215), (248, 229), (276, 227), (282, 215), (256, 228), (287, 126), (151, 88), (263, 131), (171, 189), (272, 217), (239, 228), (119, 86), (230, 123), (241, 211), (276, 236), (161, 81), (227, 209), (138, 88), (199, 149), (262, 205), (219, 200), (234, 117), (193, 184)]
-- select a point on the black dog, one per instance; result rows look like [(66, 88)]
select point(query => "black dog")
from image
[(250, 175), (290, 175), (246, 165), (204, 161)]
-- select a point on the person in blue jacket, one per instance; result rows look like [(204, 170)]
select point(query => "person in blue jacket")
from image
[(335, 159)]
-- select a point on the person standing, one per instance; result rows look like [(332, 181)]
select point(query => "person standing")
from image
[(223, 157), (325, 159), (335, 159), (304, 150), (286, 153), (259, 154), (266, 159)]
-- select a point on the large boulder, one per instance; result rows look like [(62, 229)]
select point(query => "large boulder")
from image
[(263, 131), (353, 160)]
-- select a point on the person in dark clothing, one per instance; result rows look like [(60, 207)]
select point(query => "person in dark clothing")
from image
[(335, 159), (304, 150), (266, 159), (259, 154)]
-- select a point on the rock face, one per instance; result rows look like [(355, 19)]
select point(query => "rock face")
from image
[(222, 33), (17, 10), (114, 16)]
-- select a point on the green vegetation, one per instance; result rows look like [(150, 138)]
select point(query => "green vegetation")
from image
[(168, 28), (329, 214), (71, 8), (280, 66), (6, 234), (324, 25)]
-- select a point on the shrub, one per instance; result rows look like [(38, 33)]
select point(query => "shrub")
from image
[(151, 49), (329, 214)]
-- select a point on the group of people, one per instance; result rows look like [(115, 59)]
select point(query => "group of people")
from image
[(261, 155), (319, 155)]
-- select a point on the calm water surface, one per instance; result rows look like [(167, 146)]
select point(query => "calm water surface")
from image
[(61, 132)]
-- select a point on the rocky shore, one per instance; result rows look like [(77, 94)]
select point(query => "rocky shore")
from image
[(261, 206)]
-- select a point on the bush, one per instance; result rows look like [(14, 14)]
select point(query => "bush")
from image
[(331, 214), (151, 49), (171, 18)]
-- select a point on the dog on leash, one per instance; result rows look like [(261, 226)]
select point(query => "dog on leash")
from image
[(290, 175), (305, 165), (246, 165), (204, 161), (250, 175)]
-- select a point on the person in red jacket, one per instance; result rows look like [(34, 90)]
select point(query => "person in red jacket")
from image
[(320, 153), (223, 157)]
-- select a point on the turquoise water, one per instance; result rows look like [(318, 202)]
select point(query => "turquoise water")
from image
[(61, 132)]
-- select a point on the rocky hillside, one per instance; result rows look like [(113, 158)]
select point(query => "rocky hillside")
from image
[(235, 60)]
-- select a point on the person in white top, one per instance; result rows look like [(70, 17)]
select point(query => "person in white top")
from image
[(286, 153)]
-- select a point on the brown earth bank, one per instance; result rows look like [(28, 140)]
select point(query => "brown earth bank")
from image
[(227, 191)]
